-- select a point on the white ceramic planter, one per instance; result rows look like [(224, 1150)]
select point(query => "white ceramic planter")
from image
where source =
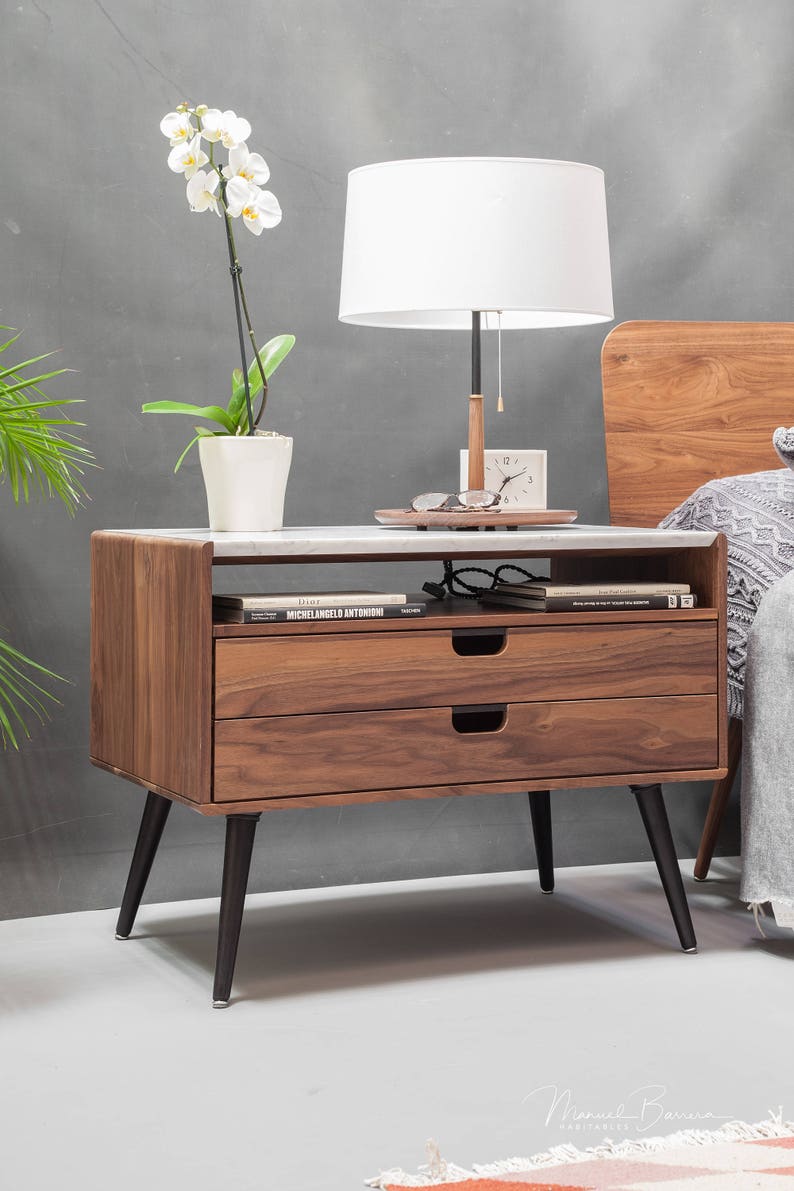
[(246, 479)]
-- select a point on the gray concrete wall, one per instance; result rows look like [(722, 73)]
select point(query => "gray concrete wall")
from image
[(686, 105)]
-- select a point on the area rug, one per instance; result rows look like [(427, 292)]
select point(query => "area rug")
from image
[(737, 1157)]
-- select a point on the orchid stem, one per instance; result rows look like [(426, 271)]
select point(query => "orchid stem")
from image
[(239, 297), (254, 346), (234, 269)]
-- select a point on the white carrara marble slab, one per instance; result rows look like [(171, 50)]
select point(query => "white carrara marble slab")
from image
[(350, 540)]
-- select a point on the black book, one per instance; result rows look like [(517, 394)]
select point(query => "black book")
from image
[(328, 613), (589, 603)]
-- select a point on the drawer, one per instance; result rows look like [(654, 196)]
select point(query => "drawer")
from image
[(345, 672), (279, 757)]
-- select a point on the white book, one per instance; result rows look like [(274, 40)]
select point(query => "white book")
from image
[(312, 599), (595, 589)]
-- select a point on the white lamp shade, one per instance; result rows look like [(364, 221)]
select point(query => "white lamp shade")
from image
[(429, 241)]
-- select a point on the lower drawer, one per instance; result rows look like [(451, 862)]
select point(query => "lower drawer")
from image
[(281, 756)]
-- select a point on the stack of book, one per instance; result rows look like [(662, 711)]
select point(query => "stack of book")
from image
[(250, 608), (590, 597)]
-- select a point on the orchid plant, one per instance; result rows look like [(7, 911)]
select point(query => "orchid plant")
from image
[(232, 189)]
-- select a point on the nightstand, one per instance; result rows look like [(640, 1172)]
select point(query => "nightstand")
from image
[(235, 720)]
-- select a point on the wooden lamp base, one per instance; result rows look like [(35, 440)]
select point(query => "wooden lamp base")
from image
[(476, 443), (496, 518)]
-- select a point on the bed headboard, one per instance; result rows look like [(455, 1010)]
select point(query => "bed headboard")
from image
[(689, 402)]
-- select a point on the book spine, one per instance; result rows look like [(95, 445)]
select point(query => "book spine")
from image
[(554, 590), (326, 613), (281, 602), (615, 603)]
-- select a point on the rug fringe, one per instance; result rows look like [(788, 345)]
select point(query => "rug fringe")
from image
[(438, 1172)]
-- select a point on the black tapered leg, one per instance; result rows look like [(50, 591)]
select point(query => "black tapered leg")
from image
[(155, 813), (654, 817), (540, 810), (240, 832)]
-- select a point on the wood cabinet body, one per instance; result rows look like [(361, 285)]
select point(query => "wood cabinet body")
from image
[(240, 719)]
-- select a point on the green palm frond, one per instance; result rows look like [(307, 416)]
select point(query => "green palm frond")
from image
[(38, 451), (20, 695)]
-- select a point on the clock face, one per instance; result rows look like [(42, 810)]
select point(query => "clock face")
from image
[(518, 476)]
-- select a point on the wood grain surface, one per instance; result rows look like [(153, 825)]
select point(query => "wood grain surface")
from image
[(360, 671), (688, 402), (151, 660), (367, 750)]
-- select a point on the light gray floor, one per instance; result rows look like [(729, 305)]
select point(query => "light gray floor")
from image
[(367, 1019)]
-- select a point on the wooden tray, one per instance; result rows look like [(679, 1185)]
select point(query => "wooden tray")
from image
[(482, 519)]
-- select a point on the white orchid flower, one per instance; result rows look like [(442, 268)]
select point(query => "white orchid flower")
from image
[(177, 127), (187, 158), (251, 166), (238, 193), (226, 127), (261, 211), (201, 191)]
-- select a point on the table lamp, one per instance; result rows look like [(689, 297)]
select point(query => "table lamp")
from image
[(459, 243)]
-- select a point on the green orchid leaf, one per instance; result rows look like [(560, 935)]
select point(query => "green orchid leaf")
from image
[(237, 403), (201, 432), (181, 458), (272, 354), (214, 413)]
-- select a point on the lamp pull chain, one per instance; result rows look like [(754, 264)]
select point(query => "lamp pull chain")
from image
[(500, 405)]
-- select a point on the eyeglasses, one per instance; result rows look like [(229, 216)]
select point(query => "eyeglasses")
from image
[(472, 500)]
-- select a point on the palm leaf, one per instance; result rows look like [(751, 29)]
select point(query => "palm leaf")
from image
[(37, 451), (20, 694)]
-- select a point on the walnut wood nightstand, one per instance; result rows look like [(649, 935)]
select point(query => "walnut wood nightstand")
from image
[(238, 719)]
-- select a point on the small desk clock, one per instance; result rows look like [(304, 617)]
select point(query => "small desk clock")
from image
[(518, 476)]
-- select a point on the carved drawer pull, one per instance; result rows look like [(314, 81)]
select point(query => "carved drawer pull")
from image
[(478, 642), (489, 717)]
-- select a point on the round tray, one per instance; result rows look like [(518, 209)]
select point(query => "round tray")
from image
[(481, 519)]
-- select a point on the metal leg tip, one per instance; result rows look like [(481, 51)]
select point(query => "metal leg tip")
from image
[(122, 937), (220, 1004), (690, 950), (547, 891), (697, 878)]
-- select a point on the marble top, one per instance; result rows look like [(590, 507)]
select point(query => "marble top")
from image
[(349, 540)]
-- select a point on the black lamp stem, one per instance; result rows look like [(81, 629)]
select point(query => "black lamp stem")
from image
[(476, 353)]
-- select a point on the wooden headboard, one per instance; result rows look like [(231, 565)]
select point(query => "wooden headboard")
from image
[(689, 402)]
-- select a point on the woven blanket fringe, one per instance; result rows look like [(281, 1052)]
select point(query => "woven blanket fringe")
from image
[(438, 1172), (782, 912)]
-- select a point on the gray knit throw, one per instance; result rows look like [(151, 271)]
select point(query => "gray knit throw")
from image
[(783, 442)]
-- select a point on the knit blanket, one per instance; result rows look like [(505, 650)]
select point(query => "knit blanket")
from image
[(756, 514), (768, 756)]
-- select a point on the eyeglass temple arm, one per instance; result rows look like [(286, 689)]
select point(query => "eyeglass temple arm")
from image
[(476, 419)]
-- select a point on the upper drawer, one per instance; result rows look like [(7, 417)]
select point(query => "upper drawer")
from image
[(357, 671)]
